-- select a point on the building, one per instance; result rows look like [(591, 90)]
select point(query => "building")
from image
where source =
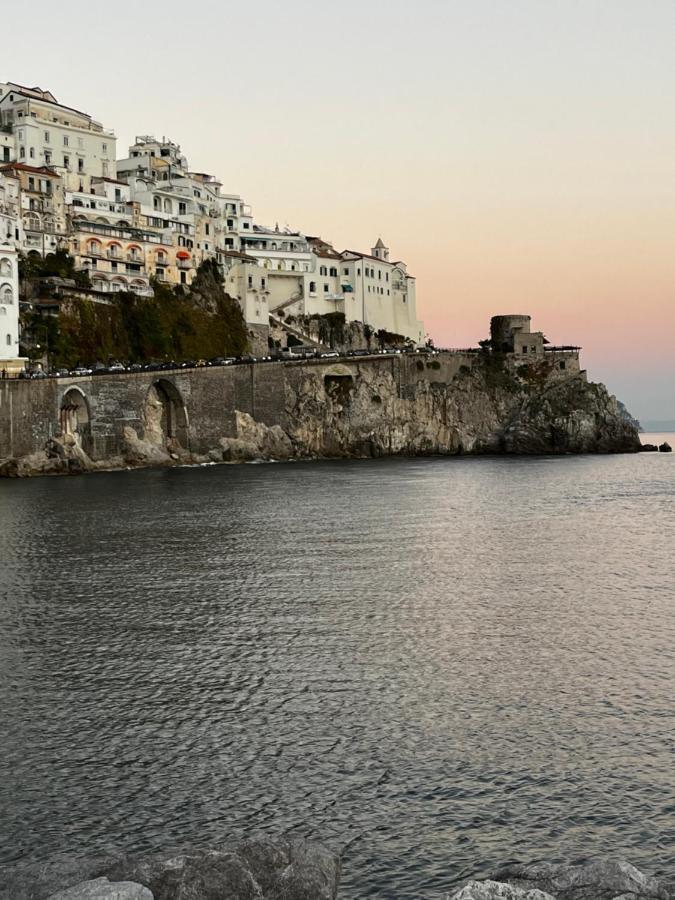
[(47, 133), (43, 211), (10, 209), (366, 288), (10, 362), (512, 334)]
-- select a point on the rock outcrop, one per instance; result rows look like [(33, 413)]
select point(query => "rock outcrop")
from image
[(253, 870), (605, 879)]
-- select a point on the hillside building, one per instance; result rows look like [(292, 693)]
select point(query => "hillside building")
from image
[(10, 362)]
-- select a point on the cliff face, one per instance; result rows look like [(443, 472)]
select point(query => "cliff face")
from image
[(376, 406), (485, 409)]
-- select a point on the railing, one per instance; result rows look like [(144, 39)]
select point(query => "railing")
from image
[(563, 349)]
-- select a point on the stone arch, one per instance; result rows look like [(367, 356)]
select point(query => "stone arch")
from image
[(75, 418), (165, 421)]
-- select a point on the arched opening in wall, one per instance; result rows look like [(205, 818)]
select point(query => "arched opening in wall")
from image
[(74, 418), (165, 421), (339, 386)]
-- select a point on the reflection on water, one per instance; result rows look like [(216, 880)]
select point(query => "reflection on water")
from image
[(433, 665)]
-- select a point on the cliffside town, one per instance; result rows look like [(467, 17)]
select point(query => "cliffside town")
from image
[(149, 218)]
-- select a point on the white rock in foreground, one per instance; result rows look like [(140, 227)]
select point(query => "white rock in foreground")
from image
[(495, 890), (102, 889)]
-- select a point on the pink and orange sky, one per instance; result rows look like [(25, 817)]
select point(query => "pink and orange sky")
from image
[(519, 155)]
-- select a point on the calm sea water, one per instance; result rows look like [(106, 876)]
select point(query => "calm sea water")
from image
[(431, 665)]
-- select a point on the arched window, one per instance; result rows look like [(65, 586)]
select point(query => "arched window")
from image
[(156, 203), (6, 295), (93, 248), (5, 266), (333, 271), (9, 340), (168, 206)]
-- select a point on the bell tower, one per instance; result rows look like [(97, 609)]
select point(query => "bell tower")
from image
[(380, 251)]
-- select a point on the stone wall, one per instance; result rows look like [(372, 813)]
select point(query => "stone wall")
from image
[(355, 406)]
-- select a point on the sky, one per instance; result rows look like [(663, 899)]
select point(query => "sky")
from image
[(519, 155)]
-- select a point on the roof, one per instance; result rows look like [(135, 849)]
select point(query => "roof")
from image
[(379, 245), (236, 254), (22, 167), (110, 180), (29, 96)]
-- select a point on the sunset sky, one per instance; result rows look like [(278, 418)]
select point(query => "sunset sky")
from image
[(519, 155)]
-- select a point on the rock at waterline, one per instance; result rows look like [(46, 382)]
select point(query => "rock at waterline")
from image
[(495, 890), (604, 879), (649, 448), (102, 889), (665, 447), (253, 870)]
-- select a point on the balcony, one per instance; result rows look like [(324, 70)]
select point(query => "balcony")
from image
[(184, 264)]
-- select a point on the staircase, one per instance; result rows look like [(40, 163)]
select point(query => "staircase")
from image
[(284, 303)]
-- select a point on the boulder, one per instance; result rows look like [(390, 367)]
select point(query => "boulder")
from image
[(495, 890), (40, 880), (649, 448), (665, 447), (604, 879), (102, 889)]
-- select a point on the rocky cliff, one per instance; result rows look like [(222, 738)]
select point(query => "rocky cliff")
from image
[(408, 405), (486, 408)]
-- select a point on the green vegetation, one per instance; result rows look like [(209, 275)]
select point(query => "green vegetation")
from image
[(179, 324), (54, 265)]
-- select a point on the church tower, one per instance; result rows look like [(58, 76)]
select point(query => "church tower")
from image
[(380, 251)]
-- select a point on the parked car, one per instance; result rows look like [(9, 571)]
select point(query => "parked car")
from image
[(329, 354), (116, 367), (79, 371), (62, 373), (135, 367)]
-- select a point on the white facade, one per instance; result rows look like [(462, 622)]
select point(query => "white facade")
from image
[(46, 133), (10, 210), (9, 306)]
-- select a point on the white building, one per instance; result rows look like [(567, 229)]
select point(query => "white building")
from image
[(10, 209), (367, 288), (9, 309), (47, 133)]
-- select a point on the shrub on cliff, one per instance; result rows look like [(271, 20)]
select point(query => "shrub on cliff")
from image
[(173, 324)]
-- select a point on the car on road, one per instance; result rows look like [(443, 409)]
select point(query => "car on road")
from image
[(79, 371)]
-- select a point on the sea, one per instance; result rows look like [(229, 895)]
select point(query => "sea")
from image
[(431, 666)]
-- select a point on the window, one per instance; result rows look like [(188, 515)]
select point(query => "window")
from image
[(46, 137), (379, 274), (345, 271), (65, 140), (20, 134), (325, 288), (104, 148), (118, 194), (182, 209), (32, 152), (358, 271), (562, 364), (524, 349), (262, 282), (206, 228), (250, 281), (6, 299), (387, 277), (323, 270), (66, 161), (48, 157), (31, 183), (9, 340), (333, 271)]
